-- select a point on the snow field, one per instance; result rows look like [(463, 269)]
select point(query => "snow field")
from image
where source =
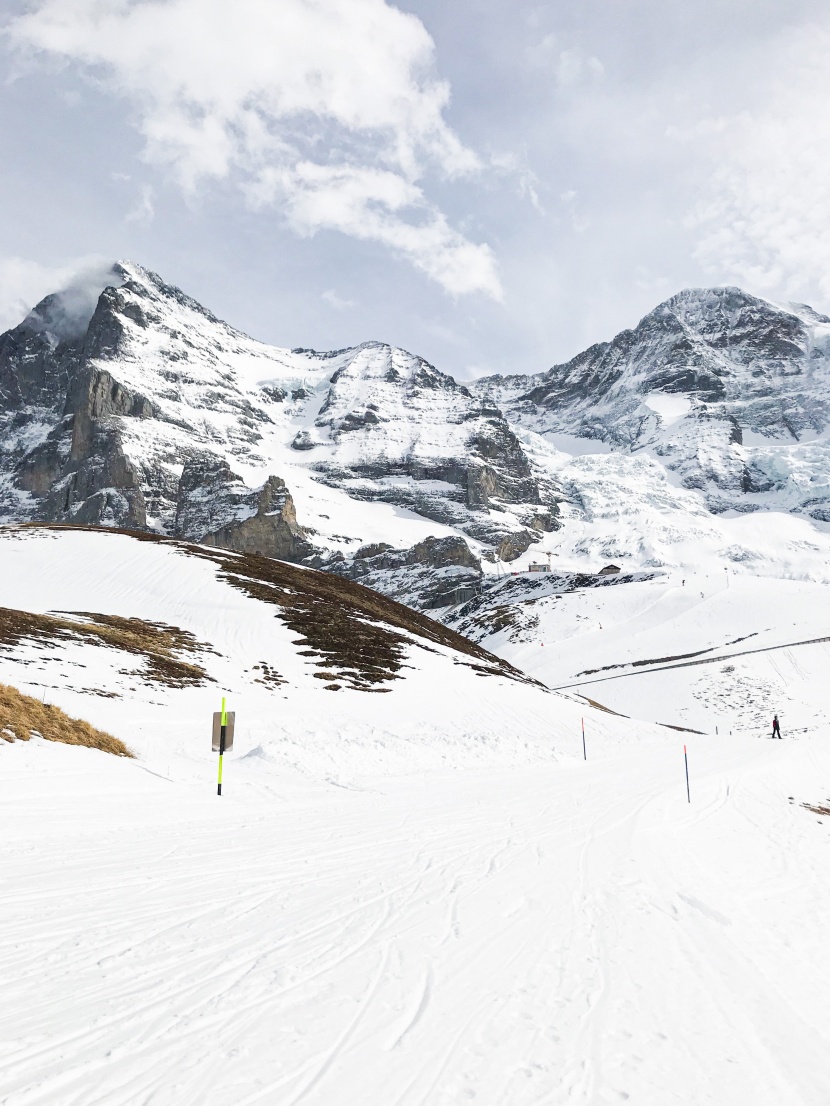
[(588, 640), (440, 713), (575, 933), (419, 897)]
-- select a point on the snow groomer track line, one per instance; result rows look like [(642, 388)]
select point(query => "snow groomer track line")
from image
[(692, 664)]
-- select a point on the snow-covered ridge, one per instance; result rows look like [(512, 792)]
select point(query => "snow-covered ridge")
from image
[(729, 391), (160, 416)]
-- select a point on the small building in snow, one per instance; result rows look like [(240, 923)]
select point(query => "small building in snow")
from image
[(609, 570), (538, 568)]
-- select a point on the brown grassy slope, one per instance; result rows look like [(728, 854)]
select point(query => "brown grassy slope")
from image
[(155, 642), (350, 631), (21, 716)]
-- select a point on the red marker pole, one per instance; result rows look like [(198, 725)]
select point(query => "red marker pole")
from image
[(584, 751), (686, 759)]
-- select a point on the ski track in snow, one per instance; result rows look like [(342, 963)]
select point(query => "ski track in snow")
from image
[(576, 934), (424, 898)]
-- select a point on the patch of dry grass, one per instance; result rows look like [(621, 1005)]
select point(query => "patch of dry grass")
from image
[(155, 642), (600, 706), (22, 717)]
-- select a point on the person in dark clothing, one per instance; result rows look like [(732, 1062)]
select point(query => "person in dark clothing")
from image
[(776, 729)]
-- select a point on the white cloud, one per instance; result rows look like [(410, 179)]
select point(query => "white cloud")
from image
[(297, 99), (574, 65), (339, 303), (765, 217), (143, 211), (24, 283), (569, 66), (368, 203), (579, 221), (515, 166)]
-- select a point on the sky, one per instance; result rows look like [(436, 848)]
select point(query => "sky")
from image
[(494, 186)]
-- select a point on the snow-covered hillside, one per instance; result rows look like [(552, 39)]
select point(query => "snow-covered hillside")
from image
[(413, 889), (691, 585), (327, 675)]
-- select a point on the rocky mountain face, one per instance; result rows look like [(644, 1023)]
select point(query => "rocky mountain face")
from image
[(434, 574), (148, 412), (713, 382), (153, 414)]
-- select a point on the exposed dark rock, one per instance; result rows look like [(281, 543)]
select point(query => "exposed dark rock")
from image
[(98, 484), (371, 550), (215, 508), (512, 546), (355, 421), (546, 520), (427, 575), (302, 440), (482, 482), (96, 398)]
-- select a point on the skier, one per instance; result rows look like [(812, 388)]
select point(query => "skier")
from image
[(776, 729)]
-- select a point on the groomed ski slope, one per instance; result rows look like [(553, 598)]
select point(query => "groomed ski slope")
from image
[(568, 934), (418, 897), (713, 653)]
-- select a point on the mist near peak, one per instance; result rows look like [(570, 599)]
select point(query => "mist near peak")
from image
[(65, 315)]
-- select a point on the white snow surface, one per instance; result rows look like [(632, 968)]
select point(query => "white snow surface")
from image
[(762, 577), (420, 897)]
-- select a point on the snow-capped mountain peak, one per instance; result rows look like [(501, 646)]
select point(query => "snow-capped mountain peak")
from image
[(125, 402)]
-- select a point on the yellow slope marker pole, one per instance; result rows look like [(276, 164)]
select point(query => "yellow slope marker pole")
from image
[(223, 724)]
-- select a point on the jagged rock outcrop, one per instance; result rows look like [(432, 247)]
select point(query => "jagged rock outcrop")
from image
[(513, 545), (271, 531), (428, 575), (216, 508)]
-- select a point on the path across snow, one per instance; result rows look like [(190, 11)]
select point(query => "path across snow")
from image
[(719, 658), (572, 935)]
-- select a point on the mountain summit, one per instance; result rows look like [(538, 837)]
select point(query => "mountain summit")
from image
[(132, 405), (712, 380)]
